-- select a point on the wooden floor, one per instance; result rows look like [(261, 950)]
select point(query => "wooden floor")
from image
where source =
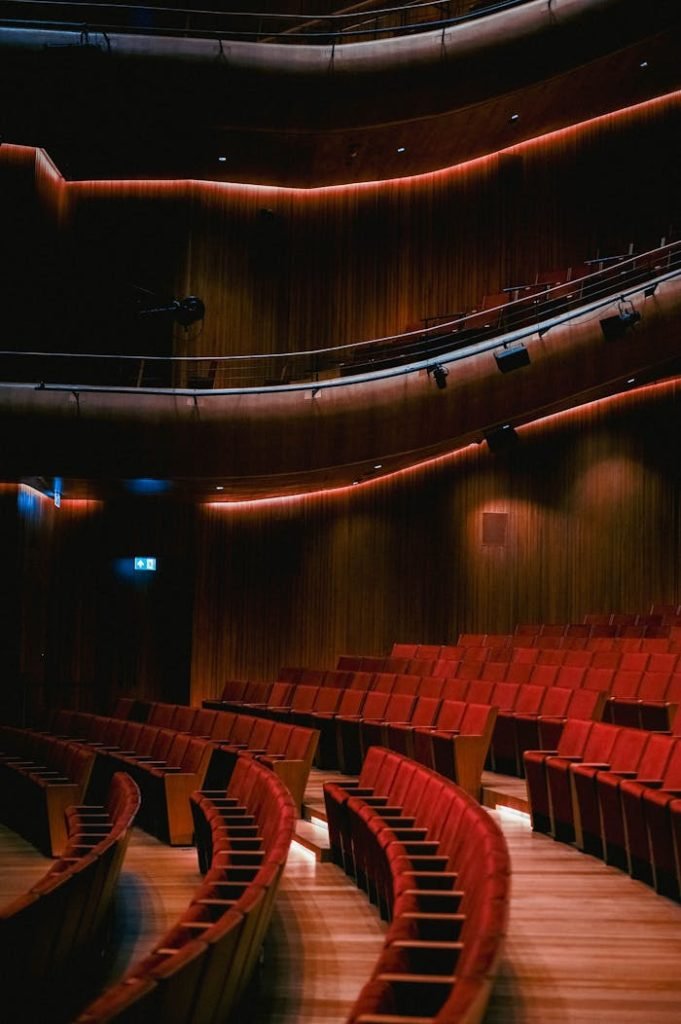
[(586, 944)]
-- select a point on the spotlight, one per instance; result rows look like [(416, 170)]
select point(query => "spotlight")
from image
[(512, 358), (615, 327), (501, 439), (440, 374), (184, 311)]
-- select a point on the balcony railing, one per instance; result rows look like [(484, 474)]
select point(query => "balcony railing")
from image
[(532, 310), (361, 24)]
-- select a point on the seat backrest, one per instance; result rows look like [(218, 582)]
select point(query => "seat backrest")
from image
[(430, 651), (242, 729), (634, 661), (653, 686), (456, 689), (663, 662), (351, 702), (530, 698), (328, 699), (183, 719), (571, 676), (161, 715), (601, 741), (375, 704), (304, 697), (398, 665), (223, 725), (585, 657), (373, 760), (425, 711), (280, 694), (431, 687), (262, 730), (480, 692), (279, 738), (656, 755), (204, 722), (628, 749), (420, 666), (672, 772), (504, 695), (587, 704), (384, 682), (361, 681), (476, 719), (556, 701), (399, 707), (544, 675), (312, 677), (404, 650), (407, 684), (574, 736), (598, 678), (625, 683), (451, 714)]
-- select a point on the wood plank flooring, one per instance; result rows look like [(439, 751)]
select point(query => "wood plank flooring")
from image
[(586, 944)]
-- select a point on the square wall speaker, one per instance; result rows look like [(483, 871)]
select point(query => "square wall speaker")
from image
[(512, 358)]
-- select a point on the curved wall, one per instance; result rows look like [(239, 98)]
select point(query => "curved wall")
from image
[(593, 523), (284, 270)]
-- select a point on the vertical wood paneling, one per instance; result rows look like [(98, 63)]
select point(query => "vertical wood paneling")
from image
[(593, 522), (283, 269), (90, 627)]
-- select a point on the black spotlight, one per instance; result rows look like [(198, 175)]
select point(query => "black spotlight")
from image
[(615, 327), (440, 374), (184, 311), (512, 358), (501, 439)]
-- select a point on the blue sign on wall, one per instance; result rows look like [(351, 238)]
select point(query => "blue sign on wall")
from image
[(145, 564)]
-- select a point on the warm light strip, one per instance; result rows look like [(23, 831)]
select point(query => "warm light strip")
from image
[(427, 176), (521, 817), (437, 460)]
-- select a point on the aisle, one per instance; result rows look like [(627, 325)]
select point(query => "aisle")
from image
[(586, 943)]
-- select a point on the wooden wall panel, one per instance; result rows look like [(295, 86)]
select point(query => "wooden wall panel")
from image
[(284, 269), (592, 499), (91, 628)]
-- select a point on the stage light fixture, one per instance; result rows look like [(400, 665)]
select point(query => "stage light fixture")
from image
[(501, 439), (615, 327), (439, 374)]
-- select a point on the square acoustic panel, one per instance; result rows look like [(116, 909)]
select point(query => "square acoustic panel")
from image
[(494, 527)]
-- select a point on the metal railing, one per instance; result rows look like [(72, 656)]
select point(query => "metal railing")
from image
[(532, 310), (92, 18)]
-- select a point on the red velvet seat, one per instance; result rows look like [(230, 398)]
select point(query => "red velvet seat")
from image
[(572, 743), (652, 765)]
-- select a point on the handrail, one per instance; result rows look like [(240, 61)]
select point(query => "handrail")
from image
[(535, 312), (252, 26)]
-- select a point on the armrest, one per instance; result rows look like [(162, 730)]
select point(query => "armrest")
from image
[(599, 765)]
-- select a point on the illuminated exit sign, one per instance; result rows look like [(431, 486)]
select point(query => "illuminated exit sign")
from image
[(144, 564)]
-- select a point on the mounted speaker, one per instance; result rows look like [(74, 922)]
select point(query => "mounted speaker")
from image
[(501, 439), (512, 358)]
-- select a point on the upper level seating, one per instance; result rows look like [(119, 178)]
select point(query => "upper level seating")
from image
[(438, 867), (199, 970), (54, 934)]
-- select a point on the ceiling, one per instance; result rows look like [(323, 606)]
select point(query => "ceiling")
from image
[(130, 106)]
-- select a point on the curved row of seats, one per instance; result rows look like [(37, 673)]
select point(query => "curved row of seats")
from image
[(52, 935), (179, 749), (438, 867), (199, 970), (616, 792), (40, 776)]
